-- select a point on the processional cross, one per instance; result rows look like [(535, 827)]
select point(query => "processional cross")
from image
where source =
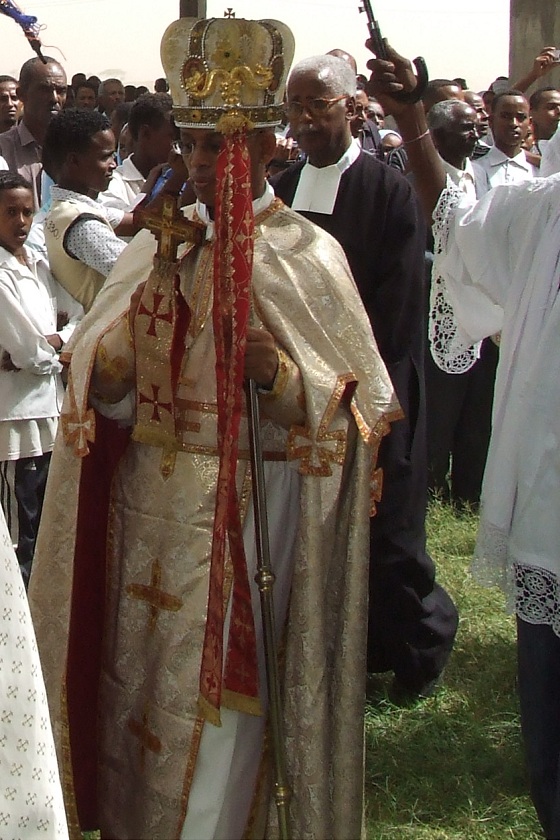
[(170, 228)]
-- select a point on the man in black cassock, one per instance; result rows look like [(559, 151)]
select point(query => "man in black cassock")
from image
[(372, 211)]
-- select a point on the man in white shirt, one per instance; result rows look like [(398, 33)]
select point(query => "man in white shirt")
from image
[(453, 125), (458, 393), (506, 162), (152, 130), (36, 320)]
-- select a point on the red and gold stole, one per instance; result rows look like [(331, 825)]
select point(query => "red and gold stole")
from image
[(233, 264)]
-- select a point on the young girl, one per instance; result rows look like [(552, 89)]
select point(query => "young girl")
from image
[(36, 318)]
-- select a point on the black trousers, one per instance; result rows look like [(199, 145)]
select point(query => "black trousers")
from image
[(538, 662), (412, 619), (30, 482), (458, 419)]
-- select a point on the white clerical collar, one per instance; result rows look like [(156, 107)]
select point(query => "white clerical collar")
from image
[(259, 205), (318, 187)]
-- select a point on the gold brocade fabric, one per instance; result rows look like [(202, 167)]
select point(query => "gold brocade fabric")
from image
[(160, 534)]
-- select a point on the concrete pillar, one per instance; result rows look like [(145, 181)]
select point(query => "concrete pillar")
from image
[(533, 24)]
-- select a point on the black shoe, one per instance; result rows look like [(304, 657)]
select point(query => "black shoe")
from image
[(403, 695)]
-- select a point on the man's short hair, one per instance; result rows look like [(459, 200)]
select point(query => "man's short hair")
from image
[(86, 84), (509, 92), (342, 76), (537, 97), (29, 67), (151, 109), (431, 95), (441, 114), (13, 181), (106, 82), (5, 78), (69, 131), (122, 112)]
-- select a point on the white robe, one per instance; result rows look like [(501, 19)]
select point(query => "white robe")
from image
[(500, 263), (31, 803)]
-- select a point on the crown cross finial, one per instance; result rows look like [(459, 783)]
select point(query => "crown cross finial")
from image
[(229, 13)]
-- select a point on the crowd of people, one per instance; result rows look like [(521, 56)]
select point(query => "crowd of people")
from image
[(383, 273)]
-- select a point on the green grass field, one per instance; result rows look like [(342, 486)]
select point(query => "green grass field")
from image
[(451, 767)]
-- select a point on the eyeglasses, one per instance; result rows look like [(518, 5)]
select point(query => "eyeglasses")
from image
[(314, 107)]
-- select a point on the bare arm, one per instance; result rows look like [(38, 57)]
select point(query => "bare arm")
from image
[(543, 64)]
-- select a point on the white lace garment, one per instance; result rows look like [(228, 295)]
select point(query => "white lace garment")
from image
[(498, 265)]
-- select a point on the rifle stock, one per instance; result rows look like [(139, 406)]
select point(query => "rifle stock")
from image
[(379, 45)]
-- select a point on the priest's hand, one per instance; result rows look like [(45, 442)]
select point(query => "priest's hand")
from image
[(389, 77), (261, 358)]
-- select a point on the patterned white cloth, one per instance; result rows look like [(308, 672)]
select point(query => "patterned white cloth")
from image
[(89, 240), (500, 263), (31, 805), (442, 326)]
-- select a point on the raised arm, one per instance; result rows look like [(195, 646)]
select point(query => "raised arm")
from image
[(543, 64), (389, 77)]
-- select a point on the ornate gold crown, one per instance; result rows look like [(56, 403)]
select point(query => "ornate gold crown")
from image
[(227, 73)]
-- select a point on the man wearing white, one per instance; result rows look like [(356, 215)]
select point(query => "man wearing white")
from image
[(506, 163), (499, 261)]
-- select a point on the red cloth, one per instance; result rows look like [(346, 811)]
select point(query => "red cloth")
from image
[(88, 612), (233, 265)]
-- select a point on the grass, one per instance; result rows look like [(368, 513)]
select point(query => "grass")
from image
[(451, 767)]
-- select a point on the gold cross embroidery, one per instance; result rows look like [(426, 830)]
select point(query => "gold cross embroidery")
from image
[(79, 432), (148, 741), (153, 595)]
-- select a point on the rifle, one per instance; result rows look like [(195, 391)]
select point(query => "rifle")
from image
[(380, 49)]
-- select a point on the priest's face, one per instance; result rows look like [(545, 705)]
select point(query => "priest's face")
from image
[(319, 116), (200, 148)]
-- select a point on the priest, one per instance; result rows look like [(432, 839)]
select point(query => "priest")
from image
[(154, 657), (372, 212)]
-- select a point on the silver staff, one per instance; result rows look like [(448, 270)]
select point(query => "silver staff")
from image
[(265, 580)]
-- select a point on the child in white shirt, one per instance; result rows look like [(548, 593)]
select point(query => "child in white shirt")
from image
[(37, 317)]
